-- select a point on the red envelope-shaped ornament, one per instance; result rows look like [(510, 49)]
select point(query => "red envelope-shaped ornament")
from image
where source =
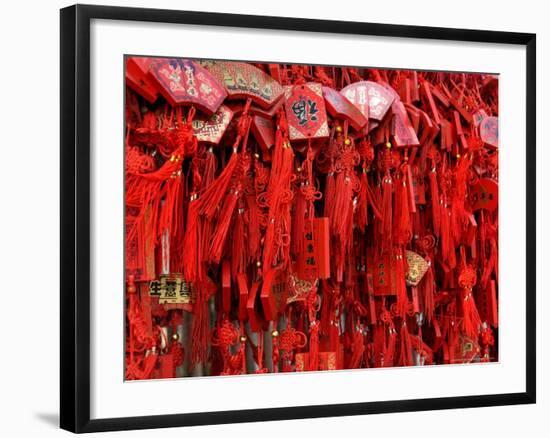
[(138, 78), (184, 82), (377, 97), (243, 81), (340, 107), (488, 131), (484, 194), (305, 111), (211, 129)]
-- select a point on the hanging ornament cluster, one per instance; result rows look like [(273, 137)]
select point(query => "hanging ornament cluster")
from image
[(285, 218)]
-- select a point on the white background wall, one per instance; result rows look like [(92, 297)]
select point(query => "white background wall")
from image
[(29, 206)]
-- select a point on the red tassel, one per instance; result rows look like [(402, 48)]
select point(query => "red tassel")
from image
[(279, 197), (436, 212), (426, 287), (358, 349), (403, 230), (401, 287), (386, 229), (200, 329), (405, 352), (222, 227), (314, 346), (362, 219)]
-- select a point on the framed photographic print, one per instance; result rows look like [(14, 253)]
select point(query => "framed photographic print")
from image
[(272, 218)]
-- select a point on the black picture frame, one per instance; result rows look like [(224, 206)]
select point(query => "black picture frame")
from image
[(75, 217)]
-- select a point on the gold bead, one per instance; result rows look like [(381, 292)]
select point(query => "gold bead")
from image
[(242, 338), (388, 145), (175, 336), (298, 169), (457, 156), (347, 141), (274, 333), (258, 264), (339, 129)]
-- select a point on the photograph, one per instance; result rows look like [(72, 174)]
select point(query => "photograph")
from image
[(288, 218)]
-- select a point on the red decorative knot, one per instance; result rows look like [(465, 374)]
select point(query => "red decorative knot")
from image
[(225, 335), (426, 243), (137, 162), (467, 277), (290, 339)]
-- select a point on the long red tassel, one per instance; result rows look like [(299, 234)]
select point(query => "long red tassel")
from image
[(436, 212), (405, 352)]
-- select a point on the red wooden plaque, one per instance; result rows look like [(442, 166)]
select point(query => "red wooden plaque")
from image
[(243, 81), (341, 107), (377, 97), (226, 286), (139, 80), (184, 82), (383, 274), (274, 293), (314, 261), (211, 129), (254, 317), (402, 129), (242, 283), (485, 194), (305, 111), (264, 132)]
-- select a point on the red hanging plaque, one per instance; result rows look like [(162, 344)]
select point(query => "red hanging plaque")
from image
[(184, 82), (138, 78), (314, 260), (485, 194), (377, 97), (306, 112), (243, 81), (211, 129), (402, 129), (264, 132), (383, 274), (274, 293), (340, 107)]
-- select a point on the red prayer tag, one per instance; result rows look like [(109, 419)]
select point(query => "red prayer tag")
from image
[(274, 293), (184, 82), (340, 107), (402, 129), (252, 308), (226, 286), (264, 132), (485, 194), (383, 275), (488, 131), (314, 260), (242, 282), (377, 97), (211, 129), (306, 112), (138, 78), (243, 81)]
